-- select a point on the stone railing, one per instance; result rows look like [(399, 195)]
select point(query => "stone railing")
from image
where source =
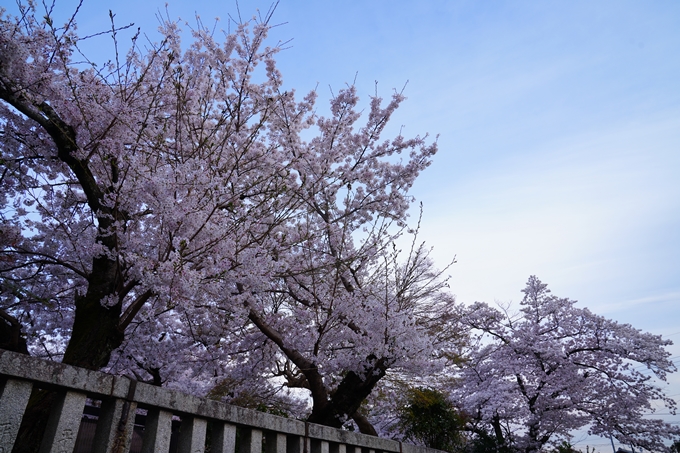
[(124, 415)]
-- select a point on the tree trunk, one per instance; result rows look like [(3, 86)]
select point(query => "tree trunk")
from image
[(347, 398), (96, 333), (10, 334), (498, 431)]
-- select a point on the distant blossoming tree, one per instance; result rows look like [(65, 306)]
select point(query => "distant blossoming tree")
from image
[(176, 214), (533, 377)]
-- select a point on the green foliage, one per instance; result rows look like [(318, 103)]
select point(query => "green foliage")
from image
[(429, 418), (565, 447), (484, 443)]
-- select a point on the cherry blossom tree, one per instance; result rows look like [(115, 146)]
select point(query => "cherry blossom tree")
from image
[(162, 215), (533, 377)]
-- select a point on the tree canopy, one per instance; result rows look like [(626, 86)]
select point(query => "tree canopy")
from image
[(533, 377), (177, 214)]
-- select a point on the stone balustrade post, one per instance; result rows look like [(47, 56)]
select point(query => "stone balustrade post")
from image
[(13, 400), (192, 435), (223, 439), (157, 431), (63, 424)]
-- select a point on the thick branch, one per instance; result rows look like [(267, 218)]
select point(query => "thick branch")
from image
[(307, 367), (62, 134), (132, 310)]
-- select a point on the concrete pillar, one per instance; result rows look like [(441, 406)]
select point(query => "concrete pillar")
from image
[(13, 401), (294, 444), (320, 446), (114, 427), (251, 441), (275, 442), (64, 422), (223, 439), (192, 435), (157, 431)]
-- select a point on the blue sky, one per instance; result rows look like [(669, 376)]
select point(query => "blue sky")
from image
[(559, 133)]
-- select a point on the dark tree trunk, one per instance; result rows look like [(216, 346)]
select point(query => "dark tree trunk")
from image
[(96, 333), (498, 431), (347, 398), (11, 338)]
